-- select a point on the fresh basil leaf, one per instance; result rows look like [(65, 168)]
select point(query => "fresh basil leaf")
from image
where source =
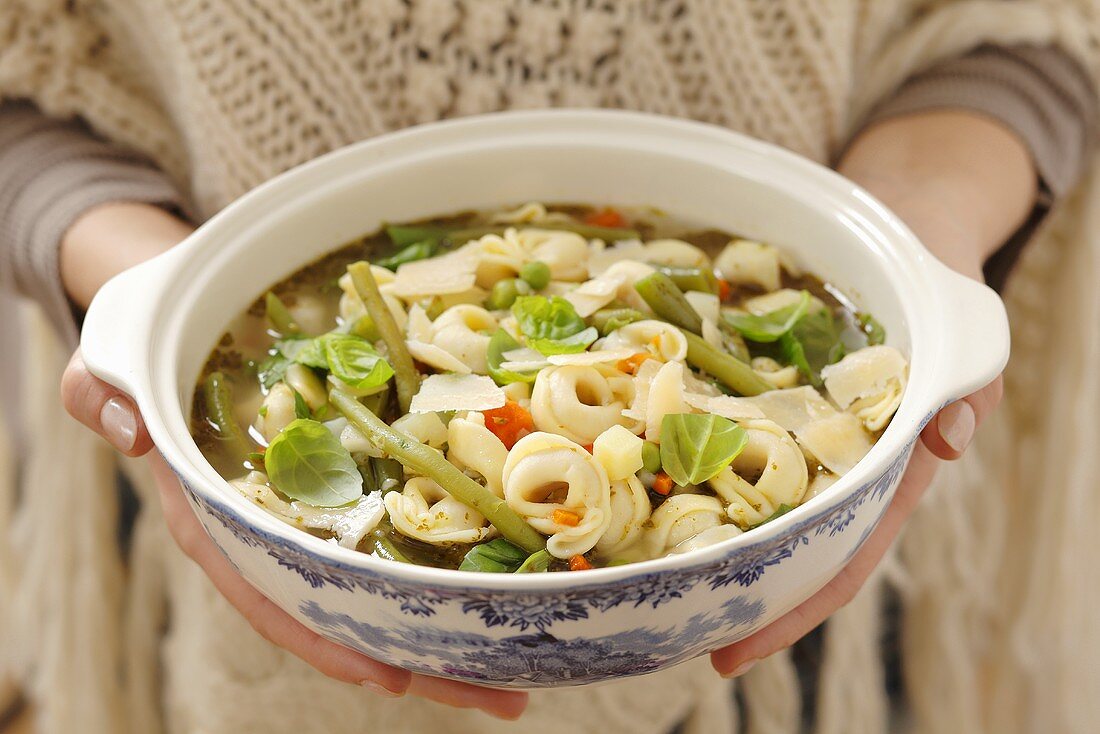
[(783, 509), (569, 345), (876, 333), (537, 562), (694, 447), (355, 361), (301, 409), (496, 556), (308, 352), (272, 370), (540, 317), (416, 251), (770, 326), (813, 343), (500, 343), (306, 462)]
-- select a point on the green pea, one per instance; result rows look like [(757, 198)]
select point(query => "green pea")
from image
[(651, 457), (505, 292), (536, 273)]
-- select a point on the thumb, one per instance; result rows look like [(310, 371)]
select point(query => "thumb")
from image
[(105, 409)]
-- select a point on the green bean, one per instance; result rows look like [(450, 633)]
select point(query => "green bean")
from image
[(385, 547), (405, 236), (388, 474), (668, 302), (691, 279), (397, 354), (606, 320), (364, 327), (219, 410), (727, 369), (279, 315), (430, 463)]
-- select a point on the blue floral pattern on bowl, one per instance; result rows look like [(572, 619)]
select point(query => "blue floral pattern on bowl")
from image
[(553, 637)]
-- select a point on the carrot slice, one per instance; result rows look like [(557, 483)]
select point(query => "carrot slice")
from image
[(662, 484), (724, 290), (631, 364), (509, 423), (606, 217), (579, 563), (566, 517)]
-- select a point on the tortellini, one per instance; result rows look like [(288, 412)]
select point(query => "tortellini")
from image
[(464, 332), (425, 511), (581, 402), (560, 490), (348, 524), (630, 509), (869, 383), (680, 518), (675, 253), (502, 256), (658, 338), (473, 447), (750, 263), (774, 459)]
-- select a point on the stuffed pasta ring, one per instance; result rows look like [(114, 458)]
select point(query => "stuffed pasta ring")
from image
[(581, 402), (773, 456), (560, 490)]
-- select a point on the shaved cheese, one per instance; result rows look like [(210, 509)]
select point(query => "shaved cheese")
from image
[(794, 407), (455, 272), (864, 373), (838, 442), (522, 354), (727, 406), (585, 359), (419, 326), (705, 304), (524, 365), (616, 282), (600, 260), (711, 334), (666, 396), (643, 378), (457, 392), (436, 357), (676, 253)]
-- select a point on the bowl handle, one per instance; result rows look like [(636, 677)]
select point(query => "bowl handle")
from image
[(976, 344), (116, 338)]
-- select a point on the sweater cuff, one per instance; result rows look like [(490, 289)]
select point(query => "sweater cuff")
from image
[(53, 173), (1038, 92)]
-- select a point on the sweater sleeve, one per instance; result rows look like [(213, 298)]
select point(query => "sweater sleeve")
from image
[(1039, 92), (50, 173)]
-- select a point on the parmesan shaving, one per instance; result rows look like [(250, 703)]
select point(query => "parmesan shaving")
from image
[(436, 357), (863, 373), (457, 392), (455, 272), (727, 406), (585, 359), (793, 408), (705, 304), (838, 442), (600, 260), (418, 327)]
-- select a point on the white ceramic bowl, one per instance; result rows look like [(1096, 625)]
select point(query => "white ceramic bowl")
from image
[(150, 330)]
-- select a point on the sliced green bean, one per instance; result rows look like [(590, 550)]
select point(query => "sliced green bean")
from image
[(219, 409), (385, 548), (397, 354), (430, 463), (606, 320), (387, 474), (668, 302), (691, 279), (727, 369), (279, 315)]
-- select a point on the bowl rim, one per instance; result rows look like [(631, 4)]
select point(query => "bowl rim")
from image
[(874, 219)]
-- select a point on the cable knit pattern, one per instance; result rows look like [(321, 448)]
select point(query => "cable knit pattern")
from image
[(223, 95)]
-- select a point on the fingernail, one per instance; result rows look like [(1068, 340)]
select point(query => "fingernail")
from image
[(956, 425), (375, 687), (117, 418), (741, 669)]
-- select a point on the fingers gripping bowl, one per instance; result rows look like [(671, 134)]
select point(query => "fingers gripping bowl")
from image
[(150, 330)]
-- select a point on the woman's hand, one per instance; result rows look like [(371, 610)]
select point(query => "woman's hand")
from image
[(108, 240), (963, 184)]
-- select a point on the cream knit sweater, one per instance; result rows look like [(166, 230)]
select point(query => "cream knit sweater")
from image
[(224, 95)]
